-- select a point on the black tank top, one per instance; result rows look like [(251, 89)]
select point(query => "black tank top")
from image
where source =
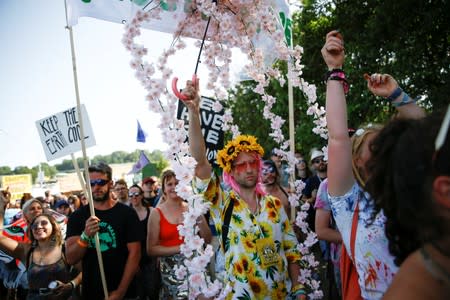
[(40, 276), (145, 259)]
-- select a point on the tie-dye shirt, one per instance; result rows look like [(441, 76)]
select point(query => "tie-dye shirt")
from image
[(322, 202), (244, 271), (374, 264)]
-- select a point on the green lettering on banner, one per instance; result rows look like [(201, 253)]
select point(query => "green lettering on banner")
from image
[(168, 7), (187, 6), (140, 2), (287, 25)]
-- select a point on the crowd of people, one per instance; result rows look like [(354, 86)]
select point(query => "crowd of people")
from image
[(379, 203)]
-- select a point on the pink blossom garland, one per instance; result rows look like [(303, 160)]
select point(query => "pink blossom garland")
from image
[(239, 22), (276, 123)]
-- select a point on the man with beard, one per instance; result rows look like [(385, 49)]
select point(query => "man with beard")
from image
[(120, 238), (121, 191), (319, 166), (321, 250), (259, 245)]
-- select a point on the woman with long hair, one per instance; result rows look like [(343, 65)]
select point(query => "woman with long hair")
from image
[(302, 172), (413, 191), (163, 239), (361, 227), (270, 178), (49, 275), (148, 276)]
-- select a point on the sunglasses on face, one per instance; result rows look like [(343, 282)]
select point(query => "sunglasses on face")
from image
[(41, 223), (268, 170), (301, 161), (100, 182), (131, 195), (242, 167)]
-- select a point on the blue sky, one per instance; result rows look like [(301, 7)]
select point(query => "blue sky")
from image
[(37, 80)]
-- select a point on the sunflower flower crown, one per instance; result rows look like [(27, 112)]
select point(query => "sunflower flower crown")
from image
[(242, 143)]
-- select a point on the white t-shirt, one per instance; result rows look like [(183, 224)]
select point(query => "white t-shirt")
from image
[(374, 264)]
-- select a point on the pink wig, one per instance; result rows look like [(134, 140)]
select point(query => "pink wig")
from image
[(228, 179)]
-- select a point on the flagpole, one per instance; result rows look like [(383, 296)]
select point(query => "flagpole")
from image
[(291, 133), (85, 161)]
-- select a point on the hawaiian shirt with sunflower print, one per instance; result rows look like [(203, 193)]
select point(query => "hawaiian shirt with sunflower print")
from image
[(244, 270)]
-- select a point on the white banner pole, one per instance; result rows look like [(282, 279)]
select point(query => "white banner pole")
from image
[(291, 113), (85, 161)]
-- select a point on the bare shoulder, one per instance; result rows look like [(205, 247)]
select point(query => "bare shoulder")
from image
[(414, 281), (154, 214)]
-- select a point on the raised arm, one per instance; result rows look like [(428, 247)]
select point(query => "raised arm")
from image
[(10, 246), (196, 141), (340, 175), (384, 85)]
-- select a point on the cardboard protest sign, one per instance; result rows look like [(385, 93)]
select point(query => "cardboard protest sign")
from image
[(60, 133), (211, 122), (17, 185)]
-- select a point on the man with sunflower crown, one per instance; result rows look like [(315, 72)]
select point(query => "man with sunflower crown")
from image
[(261, 259)]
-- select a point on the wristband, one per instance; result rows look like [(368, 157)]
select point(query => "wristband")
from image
[(405, 100), (343, 80), (297, 290), (339, 75), (333, 72), (329, 72), (72, 283), (84, 237), (82, 244), (395, 94)]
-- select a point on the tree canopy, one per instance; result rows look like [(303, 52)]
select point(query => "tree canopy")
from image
[(408, 39), (156, 157)]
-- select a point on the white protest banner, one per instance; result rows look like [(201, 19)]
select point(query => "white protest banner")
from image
[(60, 133), (120, 11)]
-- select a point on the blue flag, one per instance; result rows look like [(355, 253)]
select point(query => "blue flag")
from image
[(140, 138), (141, 163)]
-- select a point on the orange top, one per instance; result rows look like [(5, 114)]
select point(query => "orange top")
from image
[(168, 232)]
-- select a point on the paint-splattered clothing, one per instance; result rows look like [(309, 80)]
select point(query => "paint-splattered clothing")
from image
[(374, 263)]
